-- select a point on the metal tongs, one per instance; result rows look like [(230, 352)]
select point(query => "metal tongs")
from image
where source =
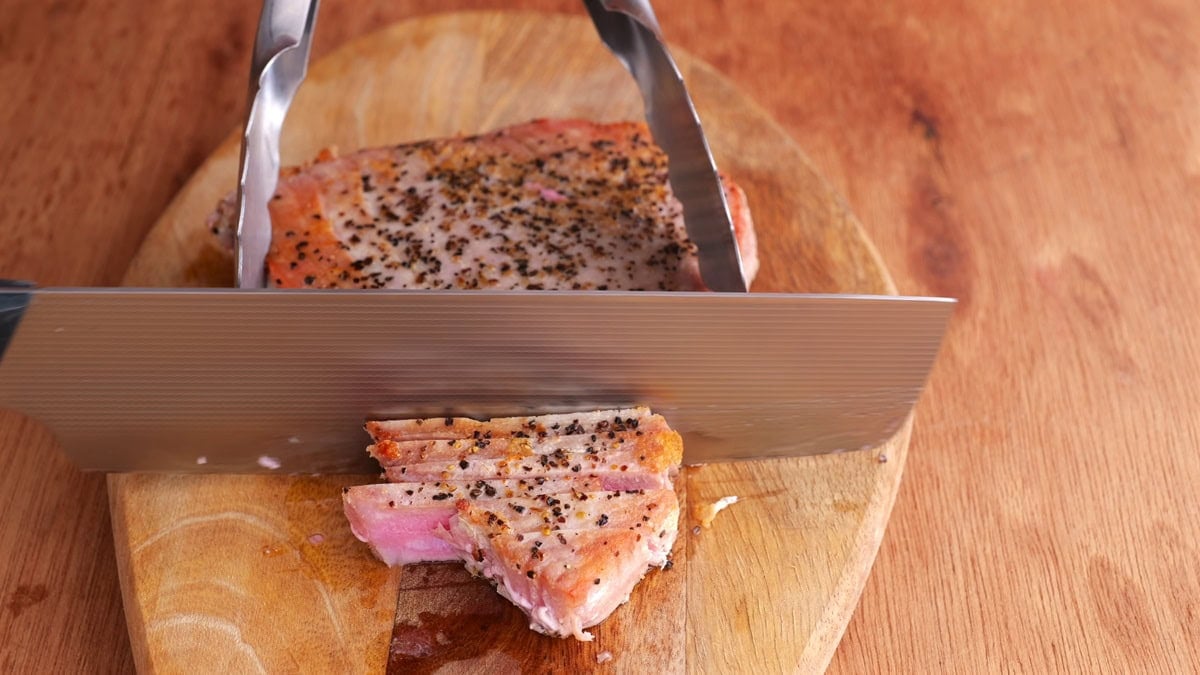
[(277, 68), (628, 27), (631, 31)]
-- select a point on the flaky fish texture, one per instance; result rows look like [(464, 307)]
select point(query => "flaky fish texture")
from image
[(563, 513)]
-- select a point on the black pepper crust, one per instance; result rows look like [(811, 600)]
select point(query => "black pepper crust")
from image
[(554, 205)]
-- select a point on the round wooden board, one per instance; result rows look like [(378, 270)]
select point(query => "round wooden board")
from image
[(249, 573)]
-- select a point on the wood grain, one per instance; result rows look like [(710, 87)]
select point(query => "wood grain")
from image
[(473, 73), (1038, 160), (218, 567)]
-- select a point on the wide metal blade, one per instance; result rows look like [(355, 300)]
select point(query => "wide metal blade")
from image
[(243, 381)]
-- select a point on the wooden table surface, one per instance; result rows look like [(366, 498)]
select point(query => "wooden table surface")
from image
[(1040, 161)]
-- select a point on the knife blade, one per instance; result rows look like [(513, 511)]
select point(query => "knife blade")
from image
[(630, 30), (244, 381)]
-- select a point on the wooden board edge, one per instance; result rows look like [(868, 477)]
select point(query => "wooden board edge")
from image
[(150, 245), (843, 601), (830, 629), (136, 624)]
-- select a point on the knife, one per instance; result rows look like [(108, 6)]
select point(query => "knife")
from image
[(245, 381)]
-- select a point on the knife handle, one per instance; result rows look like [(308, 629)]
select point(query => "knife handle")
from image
[(14, 299)]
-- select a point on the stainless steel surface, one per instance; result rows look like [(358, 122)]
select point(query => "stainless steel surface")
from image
[(277, 68), (156, 379), (631, 31)]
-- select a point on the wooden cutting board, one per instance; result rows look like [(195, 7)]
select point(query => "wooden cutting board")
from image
[(248, 573)]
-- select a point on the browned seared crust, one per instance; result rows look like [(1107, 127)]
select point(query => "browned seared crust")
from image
[(566, 424), (655, 450)]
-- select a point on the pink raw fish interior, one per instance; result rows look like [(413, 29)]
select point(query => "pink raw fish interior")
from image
[(564, 522)]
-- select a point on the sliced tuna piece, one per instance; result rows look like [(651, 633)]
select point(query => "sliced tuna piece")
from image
[(564, 513), (646, 458), (404, 528), (567, 581), (565, 424), (400, 520), (611, 478), (650, 443)]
